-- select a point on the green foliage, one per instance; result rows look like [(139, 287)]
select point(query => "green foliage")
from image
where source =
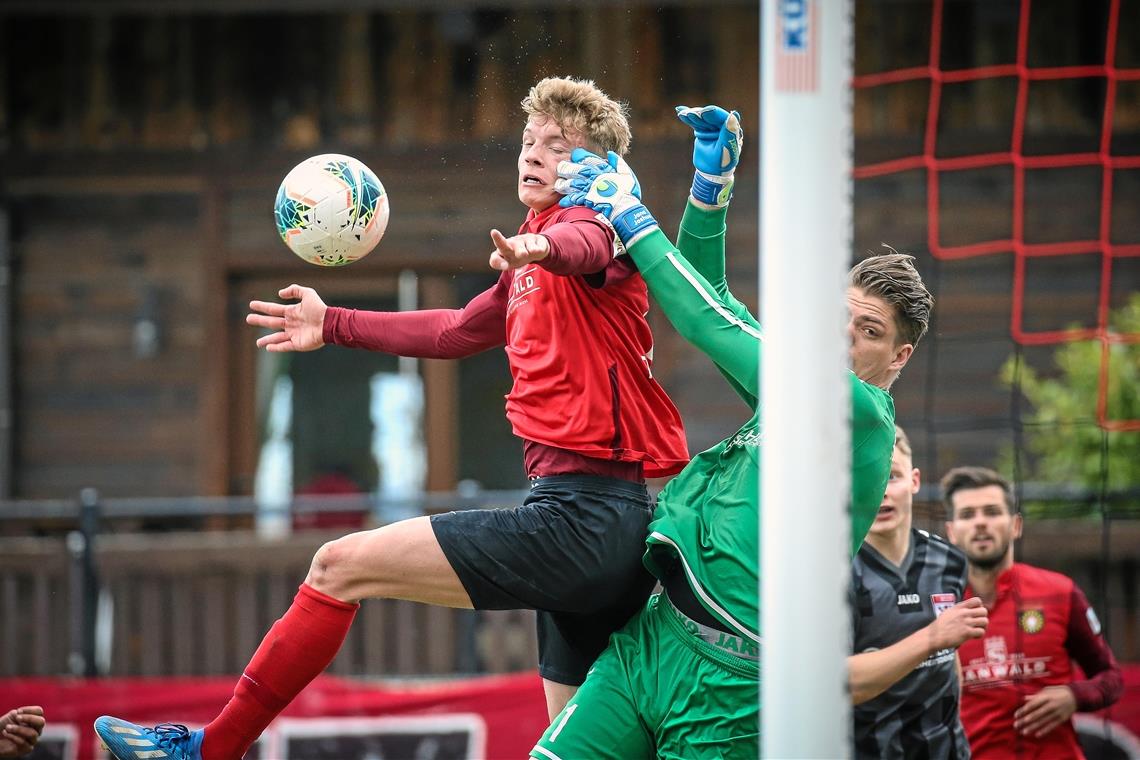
[(1061, 435)]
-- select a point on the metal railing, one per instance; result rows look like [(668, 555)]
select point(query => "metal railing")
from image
[(92, 595), (84, 591)]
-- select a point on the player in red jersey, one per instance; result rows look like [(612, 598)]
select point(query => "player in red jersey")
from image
[(1019, 690), (594, 424)]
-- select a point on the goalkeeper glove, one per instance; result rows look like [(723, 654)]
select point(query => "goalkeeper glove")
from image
[(716, 152), (609, 187)]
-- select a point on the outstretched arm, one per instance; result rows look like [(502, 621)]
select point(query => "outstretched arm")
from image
[(430, 333), (717, 142), (729, 336), (700, 239), (577, 244)]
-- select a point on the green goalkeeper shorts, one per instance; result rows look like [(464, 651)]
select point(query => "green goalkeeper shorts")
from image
[(660, 691)]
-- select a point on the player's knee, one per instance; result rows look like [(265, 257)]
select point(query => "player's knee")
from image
[(331, 571)]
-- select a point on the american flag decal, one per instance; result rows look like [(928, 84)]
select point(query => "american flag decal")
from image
[(796, 46)]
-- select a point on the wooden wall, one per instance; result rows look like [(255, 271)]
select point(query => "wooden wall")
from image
[(139, 155), (198, 604), (139, 167)]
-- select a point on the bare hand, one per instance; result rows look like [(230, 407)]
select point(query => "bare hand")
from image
[(517, 251), (1044, 711), (300, 326), (20, 729), (965, 620)]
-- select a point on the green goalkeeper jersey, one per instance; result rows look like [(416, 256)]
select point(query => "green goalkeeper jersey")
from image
[(707, 516)]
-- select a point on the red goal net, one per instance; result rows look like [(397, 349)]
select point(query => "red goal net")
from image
[(999, 142), (1025, 79)]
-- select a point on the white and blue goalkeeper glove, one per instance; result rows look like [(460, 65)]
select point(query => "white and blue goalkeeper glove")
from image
[(609, 187), (716, 152)]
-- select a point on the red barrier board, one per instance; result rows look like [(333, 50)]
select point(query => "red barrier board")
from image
[(338, 719), (334, 718)]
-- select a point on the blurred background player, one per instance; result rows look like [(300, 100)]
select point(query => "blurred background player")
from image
[(593, 421), (20, 729), (681, 679), (907, 617), (1020, 690)]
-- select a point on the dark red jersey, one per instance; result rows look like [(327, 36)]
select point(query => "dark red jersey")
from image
[(577, 341), (1040, 625)]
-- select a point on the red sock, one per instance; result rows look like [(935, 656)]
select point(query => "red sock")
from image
[(296, 650)]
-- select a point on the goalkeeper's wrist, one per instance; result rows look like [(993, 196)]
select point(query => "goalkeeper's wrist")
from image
[(633, 224), (712, 190)]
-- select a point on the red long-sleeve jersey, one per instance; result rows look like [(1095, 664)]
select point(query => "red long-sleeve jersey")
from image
[(577, 342), (1040, 624)]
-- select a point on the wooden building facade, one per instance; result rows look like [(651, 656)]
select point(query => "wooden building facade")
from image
[(141, 146), (141, 157)]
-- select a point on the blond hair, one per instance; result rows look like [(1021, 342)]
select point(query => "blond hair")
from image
[(902, 443), (579, 105)]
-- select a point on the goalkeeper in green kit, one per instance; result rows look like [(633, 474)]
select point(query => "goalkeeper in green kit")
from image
[(681, 679)]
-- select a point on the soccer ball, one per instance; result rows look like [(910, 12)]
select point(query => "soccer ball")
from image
[(331, 210)]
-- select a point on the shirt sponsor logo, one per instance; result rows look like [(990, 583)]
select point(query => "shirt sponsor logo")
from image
[(1001, 667), (995, 649), (1020, 668), (1031, 621), (941, 657), (523, 286)]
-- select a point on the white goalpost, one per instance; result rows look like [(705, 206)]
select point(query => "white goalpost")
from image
[(805, 231)]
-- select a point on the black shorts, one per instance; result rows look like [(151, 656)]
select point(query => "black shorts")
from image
[(572, 552)]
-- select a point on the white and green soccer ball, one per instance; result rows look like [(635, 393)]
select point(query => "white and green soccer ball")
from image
[(331, 210)]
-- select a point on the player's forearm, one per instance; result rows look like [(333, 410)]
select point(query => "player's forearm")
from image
[(578, 247), (698, 313), (700, 239), (871, 673), (1088, 647), (1098, 691), (426, 334)]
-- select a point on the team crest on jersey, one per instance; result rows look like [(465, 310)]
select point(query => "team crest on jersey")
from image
[(1031, 621), (942, 602)]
